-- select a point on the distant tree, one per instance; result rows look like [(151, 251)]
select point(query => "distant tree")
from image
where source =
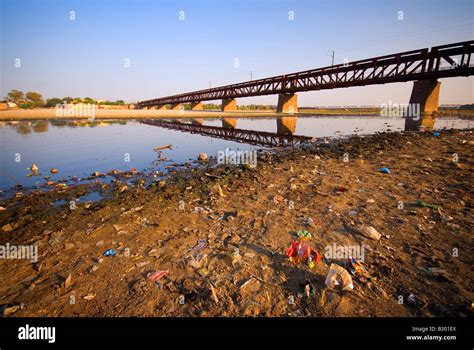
[(120, 102), (89, 100), (15, 96), (35, 98), (67, 99), (77, 100), (52, 102)]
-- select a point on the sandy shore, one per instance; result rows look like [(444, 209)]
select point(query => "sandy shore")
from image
[(45, 113), (240, 222)]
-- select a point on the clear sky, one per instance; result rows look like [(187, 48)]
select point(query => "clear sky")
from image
[(136, 50)]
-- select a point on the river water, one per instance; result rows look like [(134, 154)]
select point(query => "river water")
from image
[(79, 148)]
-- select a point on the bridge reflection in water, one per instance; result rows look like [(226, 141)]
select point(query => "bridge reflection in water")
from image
[(283, 138)]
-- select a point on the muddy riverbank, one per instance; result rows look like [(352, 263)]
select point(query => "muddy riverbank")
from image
[(220, 236)]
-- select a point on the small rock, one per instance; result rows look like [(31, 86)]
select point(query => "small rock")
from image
[(7, 228), (203, 157), (11, 310)]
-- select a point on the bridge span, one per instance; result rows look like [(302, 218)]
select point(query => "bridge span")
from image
[(424, 66)]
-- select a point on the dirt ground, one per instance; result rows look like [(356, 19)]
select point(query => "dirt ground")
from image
[(248, 219)]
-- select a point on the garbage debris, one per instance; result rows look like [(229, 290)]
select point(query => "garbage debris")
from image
[(303, 233), (411, 298), (337, 275), (157, 275), (89, 297), (422, 204), (301, 252), (308, 288), (384, 170), (342, 189), (197, 261), (214, 294), (369, 232), (53, 171), (110, 252), (159, 148)]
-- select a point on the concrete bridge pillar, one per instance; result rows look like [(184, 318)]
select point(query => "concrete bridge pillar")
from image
[(425, 94), (177, 107), (230, 123), (197, 106), (162, 108), (197, 121), (229, 104), (286, 125), (287, 103)]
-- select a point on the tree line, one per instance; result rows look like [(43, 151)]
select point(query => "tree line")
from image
[(35, 100)]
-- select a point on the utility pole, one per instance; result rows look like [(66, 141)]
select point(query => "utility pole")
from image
[(332, 56)]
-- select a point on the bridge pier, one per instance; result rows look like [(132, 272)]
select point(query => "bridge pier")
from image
[(425, 93), (286, 125), (197, 106), (287, 103), (197, 121), (162, 108), (230, 123), (177, 107), (229, 104)]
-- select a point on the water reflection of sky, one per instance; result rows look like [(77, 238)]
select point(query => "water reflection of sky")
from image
[(81, 148)]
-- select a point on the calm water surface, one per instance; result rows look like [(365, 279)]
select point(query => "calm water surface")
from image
[(79, 148)]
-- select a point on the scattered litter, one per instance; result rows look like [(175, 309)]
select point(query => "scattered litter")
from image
[(197, 261), (157, 275), (53, 171), (159, 148), (89, 297), (422, 204), (369, 232), (214, 294), (436, 134), (277, 199), (308, 288), (342, 189), (110, 252), (197, 248), (301, 252), (384, 170), (339, 276), (310, 222), (411, 298), (303, 233)]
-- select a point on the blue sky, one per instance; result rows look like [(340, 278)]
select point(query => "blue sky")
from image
[(87, 56)]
